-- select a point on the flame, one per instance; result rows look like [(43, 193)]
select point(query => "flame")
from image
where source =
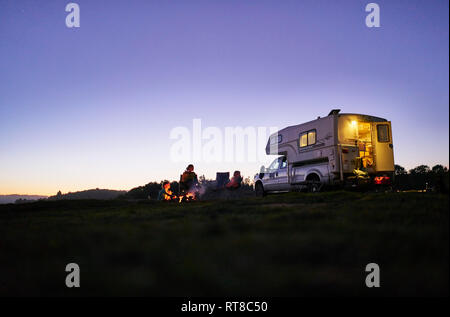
[(169, 195), (188, 197)]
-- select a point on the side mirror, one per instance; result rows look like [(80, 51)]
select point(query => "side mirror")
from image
[(262, 169)]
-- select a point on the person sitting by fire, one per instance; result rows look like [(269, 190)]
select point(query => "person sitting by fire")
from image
[(235, 181), (165, 193), (188, 180)]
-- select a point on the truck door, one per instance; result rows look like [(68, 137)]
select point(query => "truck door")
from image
[(270, 180), (383, 146), (282, 183)]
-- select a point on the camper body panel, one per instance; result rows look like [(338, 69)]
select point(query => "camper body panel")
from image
[(315, 155)]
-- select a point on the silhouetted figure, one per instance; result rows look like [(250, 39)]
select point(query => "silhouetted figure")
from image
[(188, 179)]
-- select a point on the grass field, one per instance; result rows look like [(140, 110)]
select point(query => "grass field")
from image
[(294, 244)]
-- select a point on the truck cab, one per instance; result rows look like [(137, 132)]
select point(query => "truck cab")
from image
[(275, 177)]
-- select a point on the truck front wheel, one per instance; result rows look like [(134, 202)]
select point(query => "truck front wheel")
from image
[(259, 190)]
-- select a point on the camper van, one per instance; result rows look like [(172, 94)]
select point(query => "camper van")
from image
[(337, 150)]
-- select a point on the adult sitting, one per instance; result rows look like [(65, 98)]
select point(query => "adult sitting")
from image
[(235, 181)]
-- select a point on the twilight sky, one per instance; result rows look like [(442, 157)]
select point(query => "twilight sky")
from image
[(94, 106)]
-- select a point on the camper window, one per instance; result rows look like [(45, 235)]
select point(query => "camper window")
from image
[(311, 137), (304, 139), (276, 139), (307, 138), (383, 133)]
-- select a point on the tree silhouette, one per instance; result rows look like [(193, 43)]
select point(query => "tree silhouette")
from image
[(399, 170), (421, 170), (439, 169)]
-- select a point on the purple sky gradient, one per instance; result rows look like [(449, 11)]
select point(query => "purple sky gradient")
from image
[(94, 106)]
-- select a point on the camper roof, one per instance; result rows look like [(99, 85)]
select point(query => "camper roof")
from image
[(372, 118), (336, 112)]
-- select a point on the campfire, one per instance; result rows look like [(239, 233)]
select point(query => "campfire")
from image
[(190, 196), (185, 197)]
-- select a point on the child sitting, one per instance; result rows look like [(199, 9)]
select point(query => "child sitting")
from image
[(165, 193)]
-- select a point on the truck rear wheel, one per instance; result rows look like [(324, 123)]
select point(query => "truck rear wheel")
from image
[(314, 184), (259, 190)]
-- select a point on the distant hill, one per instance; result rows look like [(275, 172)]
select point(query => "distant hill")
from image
[(10, 199), (102, 194)]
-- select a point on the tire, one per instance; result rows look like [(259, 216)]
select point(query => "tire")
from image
[(314, 184), (259, 190), (314, 187)]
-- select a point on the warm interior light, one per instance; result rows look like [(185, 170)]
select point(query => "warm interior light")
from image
[(353, 123)]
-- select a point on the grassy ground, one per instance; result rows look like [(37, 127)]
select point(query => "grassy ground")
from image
[(285, 245)]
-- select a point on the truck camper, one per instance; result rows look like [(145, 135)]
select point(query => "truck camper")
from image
[(337, 150)]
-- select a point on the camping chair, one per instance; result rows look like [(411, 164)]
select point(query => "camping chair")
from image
[(222, 179)]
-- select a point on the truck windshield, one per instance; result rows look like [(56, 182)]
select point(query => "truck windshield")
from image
[(275, 164), (280, 162)]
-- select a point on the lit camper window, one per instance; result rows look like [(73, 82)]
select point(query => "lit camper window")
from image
[(383, 133), (304, 140), (311, 137), (307, 138)]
